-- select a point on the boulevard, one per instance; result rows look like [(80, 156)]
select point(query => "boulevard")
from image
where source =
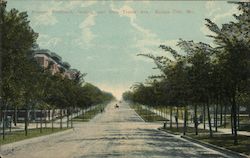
[(117, 132)]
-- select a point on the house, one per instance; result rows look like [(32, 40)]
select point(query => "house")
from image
[(53, 61)]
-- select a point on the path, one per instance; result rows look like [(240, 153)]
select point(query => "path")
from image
[(114, 133)]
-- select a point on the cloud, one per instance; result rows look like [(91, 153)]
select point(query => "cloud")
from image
[(212, 7), (217, 14), (147, 41), (45, 41), (46, 18), (77, 4), (127, 11), (147, 38), (43, 14), (87, 35), (229, 13), (88, 3)]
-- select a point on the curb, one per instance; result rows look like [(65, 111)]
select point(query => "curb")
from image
[(137, 114), (216, 148), (162, 129)]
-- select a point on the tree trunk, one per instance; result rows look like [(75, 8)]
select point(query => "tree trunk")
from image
[(221, 113), (171, 115), (225, 116), (195, 120), (234, 120), (10, 124), (204, 116), (3, 123), (209, 120), (185, 121), (165, 111), (41, 121), (216, 117), (49, 115), (67, 118), (154, 113), (60, 118), (15, 115), (232, 124), (248, 109), (214, 114), (71, 118), (177, 115), (45, 120), (238, 117), (26, 121), (52, 121)]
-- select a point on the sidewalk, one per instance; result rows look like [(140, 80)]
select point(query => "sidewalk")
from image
[(222, 130)]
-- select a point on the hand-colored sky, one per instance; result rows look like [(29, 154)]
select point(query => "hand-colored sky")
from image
[(102, 38)]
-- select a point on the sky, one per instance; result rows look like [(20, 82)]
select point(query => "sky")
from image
[(103, 38)]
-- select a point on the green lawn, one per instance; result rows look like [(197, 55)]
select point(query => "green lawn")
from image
[(20, 135), (218, 139), (89, 114), (147, 115), (226, 141), (244, 128)]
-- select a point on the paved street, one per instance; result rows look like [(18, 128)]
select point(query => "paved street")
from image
[(117, 132)]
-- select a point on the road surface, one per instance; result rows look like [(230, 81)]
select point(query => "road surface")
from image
[(117, 132)]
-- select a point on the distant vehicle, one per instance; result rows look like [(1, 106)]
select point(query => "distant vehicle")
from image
[(116, 106)]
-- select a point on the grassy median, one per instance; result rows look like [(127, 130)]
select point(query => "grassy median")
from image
[(147, 115), (20, 135), (89, 114)]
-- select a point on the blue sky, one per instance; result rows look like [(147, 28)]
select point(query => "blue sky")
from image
[(102, 38)]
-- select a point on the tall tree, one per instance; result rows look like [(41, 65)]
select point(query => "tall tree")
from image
[(233, 47), (17, 38)]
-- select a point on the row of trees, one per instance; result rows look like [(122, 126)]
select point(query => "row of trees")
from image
[(25, 84), (205, 76)]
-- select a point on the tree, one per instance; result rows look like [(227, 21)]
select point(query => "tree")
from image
[(17, 38), (232, 42), (199, 57)]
